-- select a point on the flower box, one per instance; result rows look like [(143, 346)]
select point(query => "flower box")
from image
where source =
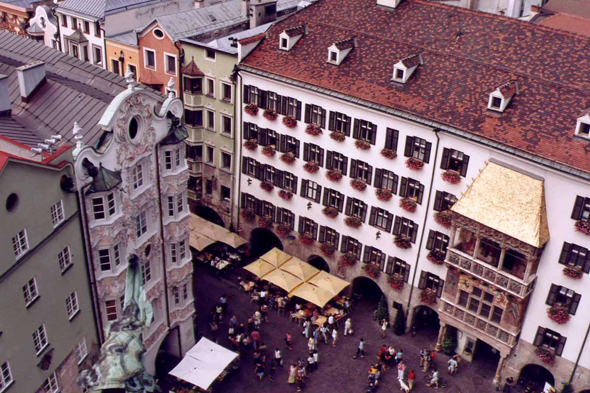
[(361, 144), (347, 259), (248, 215), (384, 194), (414, 164), (327, 249), (288, 158), (286, 195), (583, 226), (443, 218), (311, 166), (265, 221), (251, 144), (389, 153), (559, 314), (270, 114), (283, 229), (338, 136), (266, 186), (372, 270), (290, 121), (334, 175), (269, 151), (451, 177), (304, 238), (251, 109), (428, 296), (408, 204), (573, 272), (396, 282), (358, 184), (330, 211), (436, 256), (353, 222), (402, 242), (546, 356), (313, 129)]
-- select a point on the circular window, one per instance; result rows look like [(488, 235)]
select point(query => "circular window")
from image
[(148, 250), (11, 202), (133, 127), (159, 34)]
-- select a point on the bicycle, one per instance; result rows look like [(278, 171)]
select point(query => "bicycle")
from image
[(441, 382)]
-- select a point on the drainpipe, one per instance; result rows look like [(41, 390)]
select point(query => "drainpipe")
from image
[(425, 218), (162, 232), (179, 73), (579, 355)]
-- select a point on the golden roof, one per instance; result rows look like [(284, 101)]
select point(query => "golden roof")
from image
[(509, 202)]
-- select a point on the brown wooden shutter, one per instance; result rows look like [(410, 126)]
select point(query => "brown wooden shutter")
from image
[(389, 222), (243, 200), (444, 163), (340, 202), (367, 254), (336, 239), (409, 146), (307, 113), (314, 226), (427, 152), (395, 181), (279, 178), (321, 157), (577, 212), (403, 191), (552, 294), (284, 105), (322, 234), (575, 303), (358, 250), (246, 130), (373, 133), (348, 206), (262, 99), (301, 219), (420, 193), (323, 120), (383, 264), (586, 267), (538, 341), (344, 245), (414, 234), (305, 151), (356, 129), (389, 138), (353, 168), (298, 113), (464, 165), (260, 169), (297, 145), (282, 147), (364, 209), (304, 188), (246, 98), (378, 178), (318, 195), (397, 225), (294, 184), (565, 253), (373, 215), (560, 346), (263, 137), (258, 207), (347, 125), (430, 241), (369, 174), (439, 288), (438, 198), (244, 165), (422, 282), (329, 159), (326, 194), (344, 165), (332, 121), (406, 272)]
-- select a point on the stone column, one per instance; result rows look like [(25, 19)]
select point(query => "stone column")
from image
[(502, 255), (441, 336), (453, 234), (500, 368)]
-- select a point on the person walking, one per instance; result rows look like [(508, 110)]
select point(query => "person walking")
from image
[(423, 353), (264, 313), (348, 326), (306, 328), (316, 359), (292, 374), (279, 357), (324, 331), (361, 349), (233, 322), (259, 370), (223, 301), (310, 363), (401, 369), (384, 325), (273, 369), (334, 336), (255, 336), (508, 384), (411, 379), (250, 324), (399, 355), (452, 366), (311, 344), (316, 336), (219, 312), (262, 298), (427, 361), (434, 380), (331, 321), (288, 341), (214, 328), (300, 379)]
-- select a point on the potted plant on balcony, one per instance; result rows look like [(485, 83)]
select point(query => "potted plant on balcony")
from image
[(428, 296), (451, 177), (311, 166), (251, 109), (327, 249), (408, 204), (388, 153), (396, 282), (286, 195), (414, 164), (384, 194), (338, 136), (443, 218), (583, 226), (251, 144), (248, 215), (288, 158), (270, 114), (372, 270), (436, 256), (290, 121), (573, 272), (353, 222), (402, 241), (313, 129), (330, 211), (306, 239), (358, 184), (283, 229), (265, 221), (559, 314), (545, 355), (266, 186), (362, 144), (334, 175), (269, 150), (347, 259)]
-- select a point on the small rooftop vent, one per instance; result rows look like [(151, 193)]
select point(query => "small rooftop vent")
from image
[(289, 37), (403, 69), (388, 3), (503, 94), (583, 125), (338, 50)]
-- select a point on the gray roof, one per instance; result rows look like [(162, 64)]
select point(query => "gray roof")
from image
[(21, 3), (11, 128), (127, 38), (97, 9), (74, 91), (224, 44)]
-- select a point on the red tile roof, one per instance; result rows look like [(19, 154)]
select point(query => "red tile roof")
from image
[(411, 61), (254, 38), (572, 23), (467, 54), (295, 31), (191, 69), (345, 44), (508, 89)]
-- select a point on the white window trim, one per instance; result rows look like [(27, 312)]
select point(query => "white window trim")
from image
[(117, 308), (78, 350), (111, 251), (24, 249), (42, 329), (52, 378), (222, 131), (73, 301), (59, 207), (582, 120), (147, 226), (213, 60), (210, 93), (221, 161), (208, 126), (503, 102), (7, 382), (145, 50), (231, 92), (138, 168), (26, 289), (108, 218), (97, 61), (166, 70), (69, 259), (209, 160), (177, 215), (175, 169)]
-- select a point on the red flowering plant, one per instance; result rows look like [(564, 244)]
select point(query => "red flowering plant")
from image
[(338, 136), (372, 270), (451, 177), (384, 194), (270, 114), (311, 166), (347, 259), (266, 186), (402, 241), (269, 150), (286, 195), (389, 153), (251, 144), (283, 229), (396, 282), (330, 211), (436, 256), (290, 121), (559, 314), (248, 215), (313, 129), (443, 218), (362, 144), (414, 164), (353, 222), (327, 249), (288, 158), (545, 355), (334, 175), (428, 296), (573, 272), (251, 109), (358, 184), (583, 226), (306, 239), (265, 221), (408, 204)]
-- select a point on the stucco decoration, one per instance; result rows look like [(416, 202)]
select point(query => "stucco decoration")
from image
[(452, 282), (466, 283), (512, 313)]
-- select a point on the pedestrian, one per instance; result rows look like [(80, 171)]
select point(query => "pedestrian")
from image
[(231, 332), (311, 344), (508, 385), (259, 370), (434, 380), (300, 379), (279, 357), (401, 369), (310, 363), (250, 324), (452, 366), (348, 326), (361, 349), (423, 353), (316, 336), (255, 335), (288, 341), (241, 329), (324, 331), (223, 302), (273, 369), (399, 355), (331, 321), (292, 374), (264, 313), (411, 379), (219, 312), (316, 358), (233, 322), (214, 330), (384, 325), (427, 361), (246, 342), (334, 336), (306, 328), (262, 298), (256, 357)]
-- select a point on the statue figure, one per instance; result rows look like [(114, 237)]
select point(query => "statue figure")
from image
[(120, 365)]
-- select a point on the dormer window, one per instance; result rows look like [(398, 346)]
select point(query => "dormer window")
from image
[(289, 37), (403, 69), (284, 43), (583, 126), (333, 57), (339, 50), (500, 97), (496, 102), (399, 74)]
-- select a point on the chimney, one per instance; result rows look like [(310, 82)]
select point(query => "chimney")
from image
[(388, 3), (30, 78), (535, 9), (5, 108), (199, 4), (245, 8)]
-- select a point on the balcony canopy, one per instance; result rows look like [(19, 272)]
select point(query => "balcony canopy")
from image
[(508, 201)]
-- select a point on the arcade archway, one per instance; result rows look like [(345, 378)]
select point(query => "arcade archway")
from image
[(263, 240), (426, 320), (365, 288), (536, 376), (319, 263), (169, 354), (209, 214)]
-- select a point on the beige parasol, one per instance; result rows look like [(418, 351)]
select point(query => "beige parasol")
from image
[(312, 294), (276, 257), (199, 241), (283, 280), (328, 282), (260, 268), (298, 268)]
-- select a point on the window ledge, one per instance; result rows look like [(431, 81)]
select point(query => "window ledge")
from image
[(226, 100), (74, 315), (176, 171), (43, 350), (82, 360), (210, 129), (193, 93), (226, 170), (106, 221), (67, 268), (29, 304), (210, 164), (227, 135)]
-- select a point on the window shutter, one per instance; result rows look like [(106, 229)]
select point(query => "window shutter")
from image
[(326, 194), (282, 147), (427, 152), (260, 169), (279, 178), (389, 139), (323, 122), (295, 184), (438, 198), (344, 246), (403, 191), (315, 230), (397, 225), (318, 194), (243, 200), (395, 181), (364, 212), (246, 97), (348, 206), (284, 105), (372, 216), (464, 165), (301, 224), (332, 121), (373, 133), (366, 255), (307, 113), (322, 234), (353, 168), (378, 178), (303, 188), (291, 220), (430, 241), (298, 115), (575, 303), (409, 146), (444, 163), (406, 272), (439, 288), (280, 219), (358, 250), (564, 253), (383, 264), (420, 194), (321, 157), (577, 213), (262, 99), (306, 152), (336, 239), (370, 174), (560, 346), (357, 127), (422, 282), (348, 125), (246, 130), (552, 294), (258, 208), (244, 164), (539, 336), (329, 160), (344, 165), (414, 232), (340, 202), (262, 136), (586, 267), (273, 210), (389, 222), (297, 145)]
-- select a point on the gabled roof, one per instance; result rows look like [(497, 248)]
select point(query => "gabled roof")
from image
[(77, 36), (467, 54), (411, 61), (347, 43), (191, 69), (105, 180), (508, 89), (97, 9), (295, 31)]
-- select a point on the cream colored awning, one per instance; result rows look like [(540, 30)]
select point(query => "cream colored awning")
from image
[(300, 269), (508, 201), (198, 241), (276, 257), (259, 268), (328, 282), (283, 280), (312, 294), (203, 228)]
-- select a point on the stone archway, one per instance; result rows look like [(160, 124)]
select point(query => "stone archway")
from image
[(209, 214), (169, 354), (425, 319), (365, 288), (263, 240), (585, 391), (319, 263), (536, 376)]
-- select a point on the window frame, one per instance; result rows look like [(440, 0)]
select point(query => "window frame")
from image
[(108, 210), (20, 243), (51, 384), (225, 118), (57, 213), (340, 122), (146, 57), (64, 259), (207, 52), (6, 379), (210, 120), (224, 86), (30, 292), (81, 351), (40, 339), (137, 180), (167, 57), (146, 271), (72, 305), (141, 224)]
